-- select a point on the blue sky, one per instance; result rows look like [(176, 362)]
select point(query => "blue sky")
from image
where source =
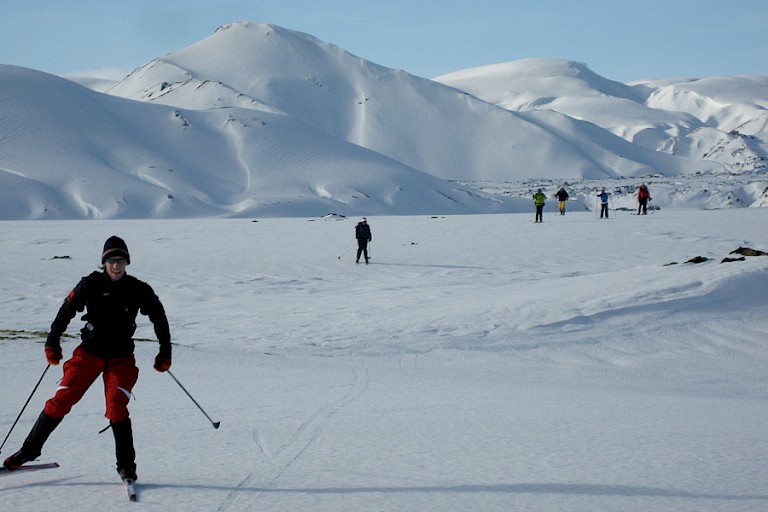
[(622, 40)]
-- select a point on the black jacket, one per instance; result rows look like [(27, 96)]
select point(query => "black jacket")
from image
[(363, 231), (111, 307)]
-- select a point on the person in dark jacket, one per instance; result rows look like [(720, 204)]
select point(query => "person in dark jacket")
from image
[(603, 197), (112, 299), (363, 235), (562, 199)]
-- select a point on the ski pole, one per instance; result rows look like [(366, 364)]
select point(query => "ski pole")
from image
[(25, 406), (214, 423), (342, 254)]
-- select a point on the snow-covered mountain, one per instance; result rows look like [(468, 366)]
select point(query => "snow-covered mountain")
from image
[(258, 120), (412, 120), (69, 152), (721, 119)]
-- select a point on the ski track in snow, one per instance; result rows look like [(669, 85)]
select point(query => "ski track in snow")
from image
[(294, 447)]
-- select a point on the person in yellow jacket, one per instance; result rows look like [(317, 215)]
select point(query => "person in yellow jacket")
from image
[(539, 199)]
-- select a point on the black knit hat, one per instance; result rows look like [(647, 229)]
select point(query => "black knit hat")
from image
[(115, 247)]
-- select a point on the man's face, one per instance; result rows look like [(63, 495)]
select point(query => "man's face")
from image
[(115, 267)]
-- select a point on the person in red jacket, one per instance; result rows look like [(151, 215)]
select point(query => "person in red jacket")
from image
[(112, 299), (643, 196)]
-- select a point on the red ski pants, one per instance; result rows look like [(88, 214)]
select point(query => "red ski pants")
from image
[(119, 375)]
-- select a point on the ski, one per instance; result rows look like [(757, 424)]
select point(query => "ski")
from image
[(130, 490), (28, 467)]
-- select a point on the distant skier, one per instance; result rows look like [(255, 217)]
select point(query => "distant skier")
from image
[(603, 196), (643, 196), (363, 236), (539, 200), (112, 299), (562, 198)]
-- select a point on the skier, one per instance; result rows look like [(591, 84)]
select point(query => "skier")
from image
[(363, 235), (562, 197), (538, 200), (112, 299), (604, 196), (643, 196)]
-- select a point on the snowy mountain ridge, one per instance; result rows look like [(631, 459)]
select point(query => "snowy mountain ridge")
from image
[(722, 119), (258, 120)]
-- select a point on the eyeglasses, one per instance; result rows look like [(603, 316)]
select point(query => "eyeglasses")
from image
[(116, 261)]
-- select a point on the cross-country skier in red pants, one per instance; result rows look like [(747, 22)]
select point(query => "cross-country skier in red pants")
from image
[(112, 299)]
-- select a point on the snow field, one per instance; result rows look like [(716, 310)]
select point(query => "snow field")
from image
[(480, 362)]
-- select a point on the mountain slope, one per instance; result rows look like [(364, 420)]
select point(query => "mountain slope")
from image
[(259, 120), (722, 120), (68, 152), (418, 122)]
